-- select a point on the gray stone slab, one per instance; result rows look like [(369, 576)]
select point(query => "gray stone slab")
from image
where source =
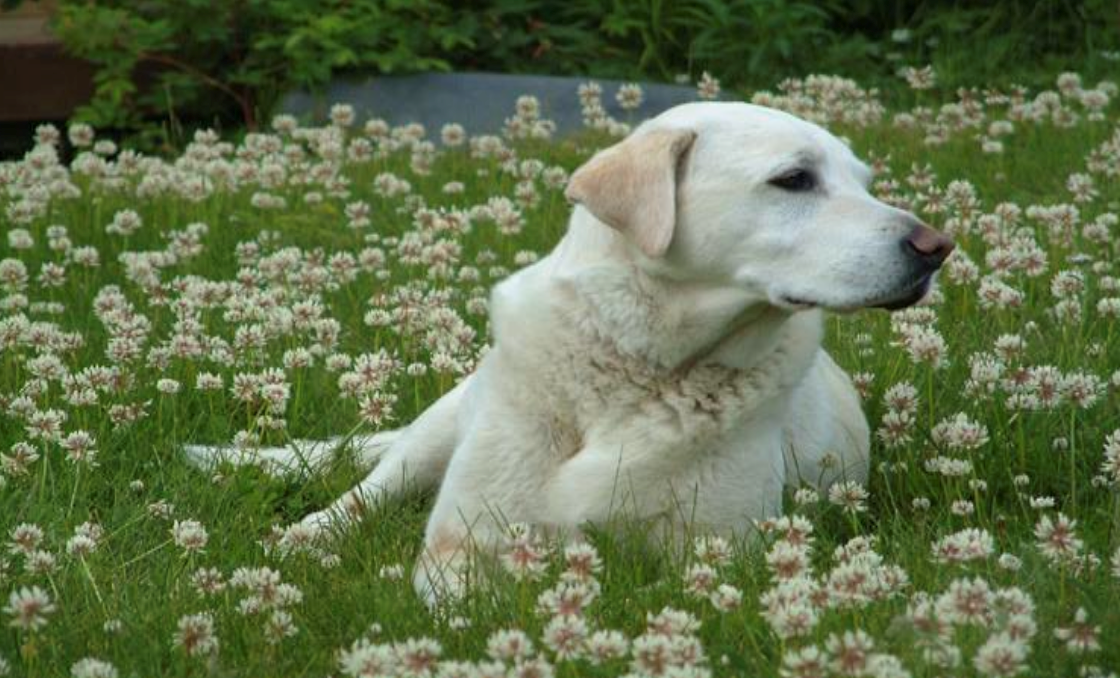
[(479, 101)]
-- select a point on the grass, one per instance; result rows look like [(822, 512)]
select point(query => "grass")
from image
[(140, 578)]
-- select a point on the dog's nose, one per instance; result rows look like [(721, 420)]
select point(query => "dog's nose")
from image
[(931, 246)]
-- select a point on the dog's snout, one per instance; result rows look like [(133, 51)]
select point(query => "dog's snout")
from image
[(929, 245)]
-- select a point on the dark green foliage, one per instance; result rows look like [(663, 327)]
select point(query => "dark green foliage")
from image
[(229, 61)]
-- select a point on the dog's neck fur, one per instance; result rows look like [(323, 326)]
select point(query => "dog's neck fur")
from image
[(675, 325)]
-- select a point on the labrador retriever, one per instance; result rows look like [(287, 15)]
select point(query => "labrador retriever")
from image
[(664, 361)]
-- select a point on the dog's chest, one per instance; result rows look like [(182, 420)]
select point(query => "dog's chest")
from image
[(620, 395)]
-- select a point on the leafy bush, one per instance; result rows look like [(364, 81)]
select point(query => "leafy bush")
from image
[(230, 61), (166, 57)]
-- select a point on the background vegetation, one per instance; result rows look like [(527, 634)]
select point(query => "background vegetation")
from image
[(170, 60)]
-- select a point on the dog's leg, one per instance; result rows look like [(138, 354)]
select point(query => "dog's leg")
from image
[(415, 459), (828, 439), (737, 476), (604, 481), (462, 522), (504, 454), (444, 565), (302, 456)]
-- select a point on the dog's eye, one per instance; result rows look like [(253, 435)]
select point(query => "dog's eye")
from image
[(796, 180)]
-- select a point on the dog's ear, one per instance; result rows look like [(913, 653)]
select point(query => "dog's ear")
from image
[(632, 186)]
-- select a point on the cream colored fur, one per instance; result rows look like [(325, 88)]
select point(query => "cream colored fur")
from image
[(664, 361)]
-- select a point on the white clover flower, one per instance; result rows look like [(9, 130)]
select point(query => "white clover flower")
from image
[(91, 667), (125, 222), (1069, 83), (863, 382), (1081, 636), (849, 495), (630, 96), (805, 496), (284, 123), (1082, 389), (196, 636), (208, 581), (25, 538), (1001, 655), (189, 535), (459, 623), (902, 397), (265, 590), (990, 146), (418, 656), (962, 507), (711, 549), (700, 579), (81, 135), (365, 659), (1056, 538), (1009, 562), (509, 645), (453, 135), (104, 147), (804, 662), (789, 607), (788, 561), (960, 433), (967, 601), (206, 381), (581, 561), (925, 344), (726, 598), (606, 645), (20, 239), (708, 87), (393, 572), (1041, 503), (896, 428), (1110, 466), (29, 607), (961, 547), (526, 556), (279, 626), (112, 626), (566, 637), (919, 78), (80, 546), (342, 115)]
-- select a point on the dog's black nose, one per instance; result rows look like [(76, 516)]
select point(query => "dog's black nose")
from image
[(931, 246)]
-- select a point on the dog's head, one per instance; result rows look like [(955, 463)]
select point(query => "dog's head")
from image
[(759, 199)]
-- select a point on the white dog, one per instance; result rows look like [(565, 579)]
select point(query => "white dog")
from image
[(665, 360)]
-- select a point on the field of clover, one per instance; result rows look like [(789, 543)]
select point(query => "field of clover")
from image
[(312, 281)]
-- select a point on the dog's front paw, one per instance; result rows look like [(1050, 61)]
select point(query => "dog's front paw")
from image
[(442, 573), (336, 517), (323, 524), (439, 584)]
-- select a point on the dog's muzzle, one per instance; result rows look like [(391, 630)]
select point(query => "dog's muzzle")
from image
[(928, 249), (928, 246)]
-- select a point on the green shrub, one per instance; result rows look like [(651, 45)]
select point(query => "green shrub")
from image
[(165, 58), (229, 62)]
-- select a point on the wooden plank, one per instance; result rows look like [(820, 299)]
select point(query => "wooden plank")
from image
[(41, 82), (28, 24)]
